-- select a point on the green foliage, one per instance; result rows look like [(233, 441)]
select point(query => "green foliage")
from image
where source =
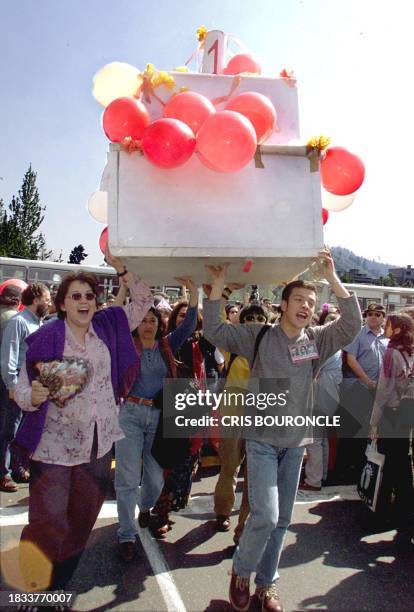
[(20, 224), (77, 255)]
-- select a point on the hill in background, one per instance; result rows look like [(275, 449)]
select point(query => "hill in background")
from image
[(346, 260)]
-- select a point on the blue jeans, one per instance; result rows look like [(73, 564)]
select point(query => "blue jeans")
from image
[(273, 482), (133, 457)]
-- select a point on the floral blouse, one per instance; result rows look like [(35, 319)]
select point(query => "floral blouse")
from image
[(68, 434)]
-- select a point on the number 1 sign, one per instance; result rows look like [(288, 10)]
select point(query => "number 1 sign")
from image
[(215, 46)]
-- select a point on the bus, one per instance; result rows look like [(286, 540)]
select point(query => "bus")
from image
[(392, 298), (51, 274)]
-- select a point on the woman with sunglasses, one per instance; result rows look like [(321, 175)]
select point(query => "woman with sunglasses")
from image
[(72, 423), (392, 431), (139, 419), (232, 450)]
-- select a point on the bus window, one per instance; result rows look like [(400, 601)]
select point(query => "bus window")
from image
[(10, 271)]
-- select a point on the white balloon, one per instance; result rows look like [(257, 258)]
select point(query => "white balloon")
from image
[(115, 80), (98, 206), (105, 179), (336, 203)]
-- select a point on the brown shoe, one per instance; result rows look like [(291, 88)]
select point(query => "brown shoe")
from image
[(270, 599), (144, 519), (127, 551), (239, 593), (222, 522), (8, 485), (304, 486)]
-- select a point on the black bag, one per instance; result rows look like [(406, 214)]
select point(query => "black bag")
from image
[(168, 452)]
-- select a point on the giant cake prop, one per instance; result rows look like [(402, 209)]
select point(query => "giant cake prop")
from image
[(205, 167)]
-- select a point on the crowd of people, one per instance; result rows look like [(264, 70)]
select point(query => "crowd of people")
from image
[(61, 428)]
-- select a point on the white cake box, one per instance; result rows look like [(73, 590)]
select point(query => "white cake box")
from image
[(168, 223)]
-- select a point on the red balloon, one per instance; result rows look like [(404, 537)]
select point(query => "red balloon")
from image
[(103, 240), (242, 62), (325, 215), (15, 282), (226, 142), (258, 109), (342, 172), (168, 143), (189, 107), (125, 117)]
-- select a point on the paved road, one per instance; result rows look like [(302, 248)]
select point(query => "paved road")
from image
[(329, 561)]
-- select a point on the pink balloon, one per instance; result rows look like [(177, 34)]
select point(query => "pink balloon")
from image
[(125, 117), (342, 172), (226, 142), (189, 107), (103, 240), (258, 109), (168, 143), (15, 282), (242, 62)]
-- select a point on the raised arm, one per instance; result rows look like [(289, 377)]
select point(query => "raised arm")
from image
[(177, 338), (336, 335), (237, 339), (141, 296)]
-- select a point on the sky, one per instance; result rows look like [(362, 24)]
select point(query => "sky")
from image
[(352, 59)]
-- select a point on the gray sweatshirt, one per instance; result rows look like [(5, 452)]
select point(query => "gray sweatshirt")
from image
[(274, 370)]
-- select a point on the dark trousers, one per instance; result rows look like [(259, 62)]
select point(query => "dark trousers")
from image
[(355, 410), (64, 504), (397, 478), (10, 417)]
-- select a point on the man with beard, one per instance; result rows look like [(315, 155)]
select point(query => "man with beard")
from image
[(36, 299)]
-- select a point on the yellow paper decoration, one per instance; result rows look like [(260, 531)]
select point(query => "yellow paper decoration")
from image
[(154, 78), (201, 33), (318, 142)]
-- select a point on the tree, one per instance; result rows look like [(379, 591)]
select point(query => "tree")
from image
[(19, 226), (77, 254), (390, 280), (346, 278)]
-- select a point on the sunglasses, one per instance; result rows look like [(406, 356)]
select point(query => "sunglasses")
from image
[(375, 314), (258, 318), (77, 296)]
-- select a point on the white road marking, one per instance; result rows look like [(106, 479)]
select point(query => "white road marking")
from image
[(18, 515)]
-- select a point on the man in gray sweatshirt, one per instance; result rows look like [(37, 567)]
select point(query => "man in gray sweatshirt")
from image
[(287, 360)]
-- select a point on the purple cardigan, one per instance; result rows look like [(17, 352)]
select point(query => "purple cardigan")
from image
[(48, 342)]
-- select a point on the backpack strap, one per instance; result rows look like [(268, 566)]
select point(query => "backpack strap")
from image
[(258, 340), (232, 358)]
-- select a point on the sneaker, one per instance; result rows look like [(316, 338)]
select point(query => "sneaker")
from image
[(127, 551), (8, 485), (222, 522), (269, 598), (144, 519), (239, 592), (304, 486)]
